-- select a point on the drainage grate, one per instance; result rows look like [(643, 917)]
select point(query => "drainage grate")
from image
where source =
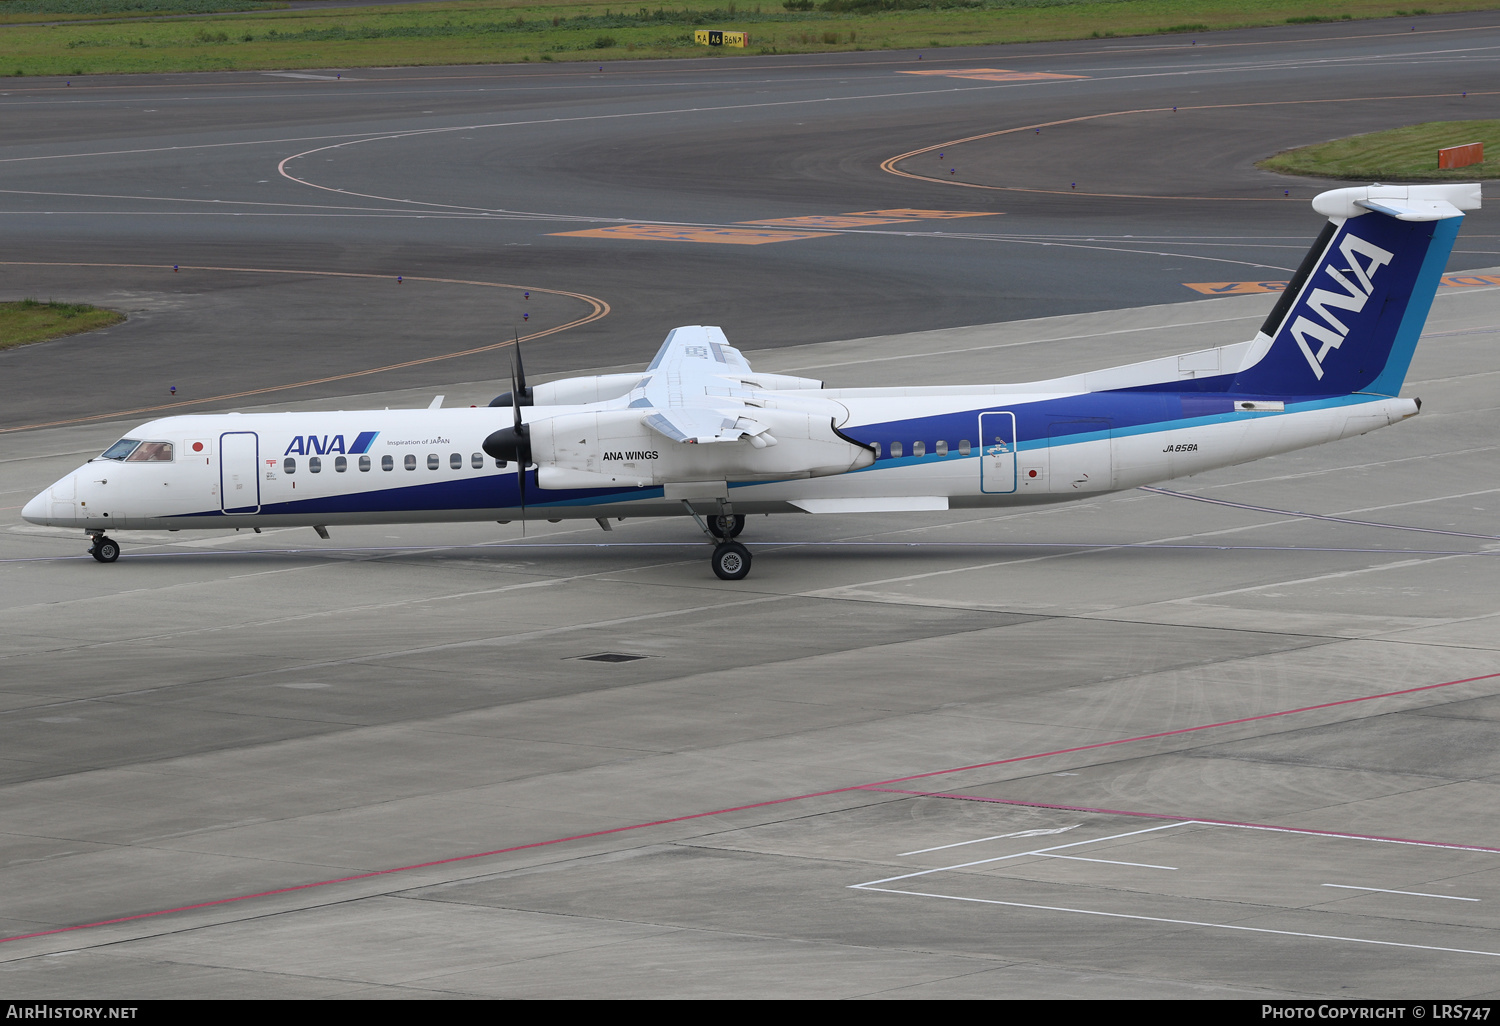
[(610, 657)]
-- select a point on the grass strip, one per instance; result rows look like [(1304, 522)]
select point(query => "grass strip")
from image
[(31, 320), (1395, 155), (23, 11), (511, 31)]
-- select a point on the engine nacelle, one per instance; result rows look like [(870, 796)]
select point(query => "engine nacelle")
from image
[(575, 391), (584, 391), (616, 447)]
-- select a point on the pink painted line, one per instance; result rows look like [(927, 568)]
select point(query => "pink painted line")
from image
[(874, 785), (1186, 819)]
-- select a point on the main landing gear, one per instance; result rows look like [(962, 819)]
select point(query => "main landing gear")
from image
[(730, 560), (726, 525), (104, 549)]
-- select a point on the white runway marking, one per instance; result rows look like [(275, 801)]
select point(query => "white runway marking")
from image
[(1415, 894), (1109, 862), (977, 840), (1022, 854), (874, 885), (1186, 922), (321, 78)]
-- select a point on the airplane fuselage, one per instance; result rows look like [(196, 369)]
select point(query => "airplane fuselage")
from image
[(934, 451)]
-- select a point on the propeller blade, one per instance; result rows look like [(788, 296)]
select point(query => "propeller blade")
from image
[(513, 444), (521, 390), (520, 393), (523, 443)]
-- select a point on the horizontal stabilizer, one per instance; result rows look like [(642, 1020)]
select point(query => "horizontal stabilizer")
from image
[(1403, 202)]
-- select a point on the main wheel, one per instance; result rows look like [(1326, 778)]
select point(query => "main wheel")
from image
[(727, 526), (105, 550), (731, 561)]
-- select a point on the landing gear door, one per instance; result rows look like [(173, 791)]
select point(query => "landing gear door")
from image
[(997, 453), (239, 472)]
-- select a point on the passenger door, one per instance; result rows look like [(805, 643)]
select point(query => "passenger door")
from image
[(997, 452), (239, 472)]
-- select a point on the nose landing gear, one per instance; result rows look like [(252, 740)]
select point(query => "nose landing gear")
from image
[(104, 549)]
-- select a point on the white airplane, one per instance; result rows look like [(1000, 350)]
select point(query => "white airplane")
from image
[(700, 433)]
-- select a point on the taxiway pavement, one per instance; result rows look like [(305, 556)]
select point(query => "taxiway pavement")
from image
[(1189, 742), (1140, 746)]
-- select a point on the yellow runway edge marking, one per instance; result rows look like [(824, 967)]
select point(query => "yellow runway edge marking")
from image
[(597, 308), (889, 164), (1246, 288), (992, 74), (668, 233)]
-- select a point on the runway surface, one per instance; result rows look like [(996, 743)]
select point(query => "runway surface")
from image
[(1189, 742)]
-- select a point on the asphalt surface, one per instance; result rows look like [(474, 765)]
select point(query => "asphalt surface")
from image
[(1143, 746), (470, 174)]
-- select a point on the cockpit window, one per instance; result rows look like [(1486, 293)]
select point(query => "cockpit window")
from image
[(151, 452), (124, 447)]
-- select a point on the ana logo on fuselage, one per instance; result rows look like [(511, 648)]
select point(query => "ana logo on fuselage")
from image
[(1332, 332), (323, 445)]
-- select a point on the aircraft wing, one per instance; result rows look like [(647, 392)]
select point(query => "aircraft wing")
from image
[(698, 393), (694, 388), (698, 347)]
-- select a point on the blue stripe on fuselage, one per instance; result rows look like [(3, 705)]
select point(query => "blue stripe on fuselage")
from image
[(1066, 421), (1038, 424)]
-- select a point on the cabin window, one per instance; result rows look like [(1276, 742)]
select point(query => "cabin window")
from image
[(963, 447), (121, 449), (340, 464), (364, 464), (919, 448), (502, 464), (942, 447), (314, 465), (456, 461), (387, 463), (895, 450), (411, 461), (151, 452), (433, 461), (876, 447), (477, 461), (288, 466)]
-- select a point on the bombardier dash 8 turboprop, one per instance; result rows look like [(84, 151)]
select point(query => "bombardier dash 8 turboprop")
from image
[(700, 433)]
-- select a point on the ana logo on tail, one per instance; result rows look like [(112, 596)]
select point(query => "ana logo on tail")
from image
[(1332, 332)]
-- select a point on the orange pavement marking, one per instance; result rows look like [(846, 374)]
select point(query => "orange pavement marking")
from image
[(1245, 288), (668, 233), (992, 74), (827, 221), (1235, 288), (912, 214)]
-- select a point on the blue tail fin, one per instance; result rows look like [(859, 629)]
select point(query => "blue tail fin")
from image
[(1350, 319)]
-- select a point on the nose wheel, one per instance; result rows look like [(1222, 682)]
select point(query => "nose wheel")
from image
[(104, 549)]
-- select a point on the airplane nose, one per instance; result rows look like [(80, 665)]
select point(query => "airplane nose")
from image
[(39, 508)]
